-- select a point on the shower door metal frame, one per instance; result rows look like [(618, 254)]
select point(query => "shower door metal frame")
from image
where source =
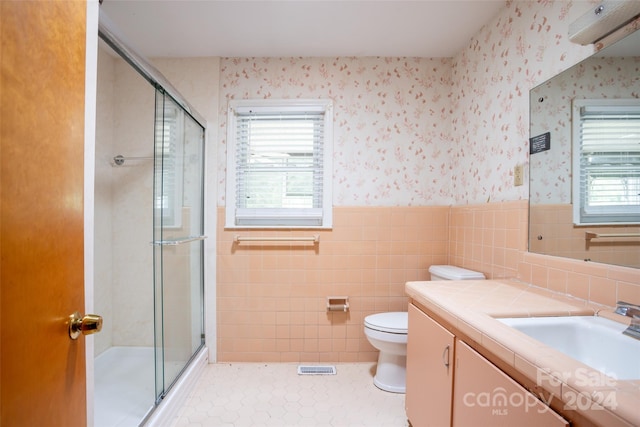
[(148, 71), (162, 85), (162, 387)]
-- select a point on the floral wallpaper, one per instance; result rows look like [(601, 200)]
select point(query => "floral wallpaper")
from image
[(527, 44), (391, 121), (424, 131)]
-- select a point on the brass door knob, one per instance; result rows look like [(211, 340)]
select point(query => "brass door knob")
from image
[(85, 325)]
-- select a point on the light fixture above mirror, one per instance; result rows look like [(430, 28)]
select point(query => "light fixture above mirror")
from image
[(602, 20)]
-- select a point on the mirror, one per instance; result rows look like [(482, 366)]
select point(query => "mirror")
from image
[(612, 73)]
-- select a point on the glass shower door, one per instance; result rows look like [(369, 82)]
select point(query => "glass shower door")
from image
[(178, 240)]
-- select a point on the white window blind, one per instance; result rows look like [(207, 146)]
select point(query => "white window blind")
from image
[(607, 161), (281, 164), (169, 161)]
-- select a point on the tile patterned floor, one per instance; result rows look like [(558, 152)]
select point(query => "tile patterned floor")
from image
[(259, 394)]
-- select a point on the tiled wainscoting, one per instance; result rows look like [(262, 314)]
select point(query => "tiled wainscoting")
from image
[(489, 238), (271, 296)]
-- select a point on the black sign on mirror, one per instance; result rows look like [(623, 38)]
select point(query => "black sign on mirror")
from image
[(540, 143)]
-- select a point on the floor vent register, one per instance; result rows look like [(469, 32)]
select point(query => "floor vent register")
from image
[(316, 370)]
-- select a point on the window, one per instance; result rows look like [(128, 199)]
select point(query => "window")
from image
[(279, 164), (606, 161), (169, 161)]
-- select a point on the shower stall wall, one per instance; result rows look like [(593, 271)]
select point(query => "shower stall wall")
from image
[(148, 243)]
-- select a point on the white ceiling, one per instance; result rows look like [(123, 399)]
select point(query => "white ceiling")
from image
[(268, 28)]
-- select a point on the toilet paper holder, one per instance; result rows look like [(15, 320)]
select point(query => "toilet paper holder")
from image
[(338, 303)]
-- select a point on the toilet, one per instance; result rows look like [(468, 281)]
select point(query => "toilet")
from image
[(451, 272), (387, 332)]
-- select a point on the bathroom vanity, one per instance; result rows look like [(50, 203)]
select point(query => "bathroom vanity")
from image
[(483, 395), (466, 368)]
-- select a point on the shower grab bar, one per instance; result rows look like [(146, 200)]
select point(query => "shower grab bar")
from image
[(314, 239), (180, 241), (592, 235), (119, 159)]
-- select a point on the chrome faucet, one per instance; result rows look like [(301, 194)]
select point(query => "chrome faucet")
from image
[(632, 311)]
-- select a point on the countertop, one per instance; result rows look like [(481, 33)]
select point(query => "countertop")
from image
[(472, 306)]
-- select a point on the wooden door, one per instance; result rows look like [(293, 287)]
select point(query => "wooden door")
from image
[(486, 396), (429, 371), (42, 93)]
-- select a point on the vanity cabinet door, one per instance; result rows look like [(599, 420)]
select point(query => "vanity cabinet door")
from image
[(429, 371), (485, 396)]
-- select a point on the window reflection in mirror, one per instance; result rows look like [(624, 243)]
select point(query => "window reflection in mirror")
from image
[(611, 74), (606, 161)]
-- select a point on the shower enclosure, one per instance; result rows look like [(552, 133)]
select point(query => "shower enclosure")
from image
[(149, 238)]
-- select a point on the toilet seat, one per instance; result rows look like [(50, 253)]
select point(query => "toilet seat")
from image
[(394, 322)]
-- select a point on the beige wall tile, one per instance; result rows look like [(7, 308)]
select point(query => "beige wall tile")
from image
[(271, 298)]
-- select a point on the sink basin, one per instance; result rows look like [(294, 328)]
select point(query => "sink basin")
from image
[(595, 341)]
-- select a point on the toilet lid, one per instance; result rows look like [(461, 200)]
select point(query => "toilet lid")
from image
[(395, 322)]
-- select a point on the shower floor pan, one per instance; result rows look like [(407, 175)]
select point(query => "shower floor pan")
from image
[(124, 386)]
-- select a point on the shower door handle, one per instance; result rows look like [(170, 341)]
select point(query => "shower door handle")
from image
[(178, 241), (85, 325)]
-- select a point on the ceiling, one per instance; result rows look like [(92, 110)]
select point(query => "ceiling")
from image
[(320, 28)]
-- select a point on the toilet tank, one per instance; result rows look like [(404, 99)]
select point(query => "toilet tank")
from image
[(451, 272)]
